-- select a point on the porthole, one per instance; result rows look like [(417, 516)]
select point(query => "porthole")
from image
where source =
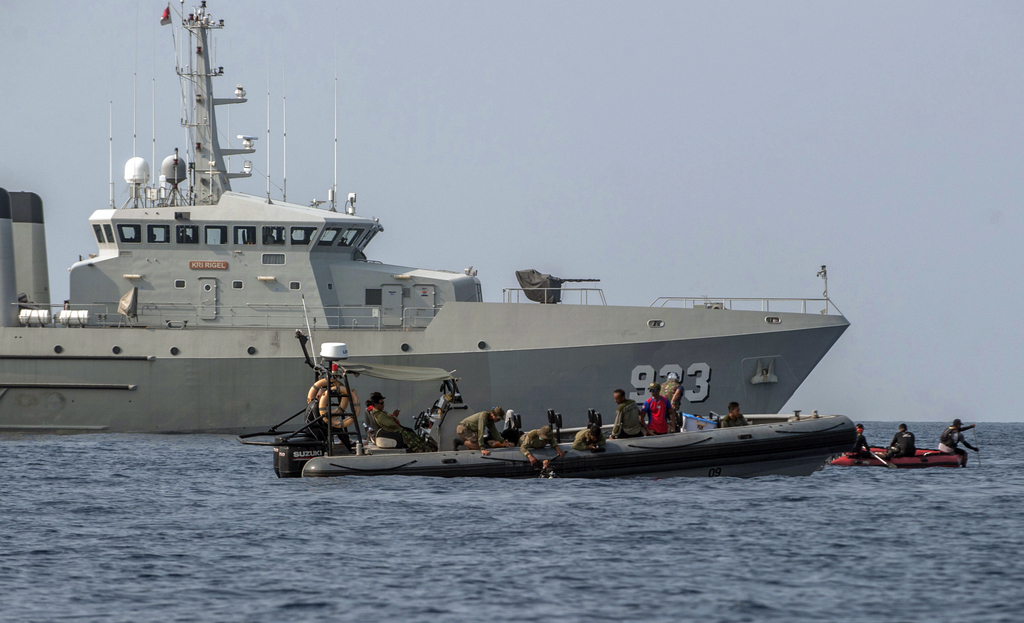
[(655, 324), (174, 350), (481, 344), (294, 285), (251, 350), (179, 284), (208, 287), (405, 348), (58, 349), (116, 350), (237, 285), (773, 319)]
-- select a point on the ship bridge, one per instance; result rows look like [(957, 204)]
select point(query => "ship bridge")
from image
[(247, 262)]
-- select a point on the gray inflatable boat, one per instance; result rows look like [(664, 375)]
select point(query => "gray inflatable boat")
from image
[(791, 448)]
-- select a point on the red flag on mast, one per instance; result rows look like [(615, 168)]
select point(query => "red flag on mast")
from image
[(166, 17)]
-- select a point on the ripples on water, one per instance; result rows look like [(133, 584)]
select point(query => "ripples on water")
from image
[(183, 528)]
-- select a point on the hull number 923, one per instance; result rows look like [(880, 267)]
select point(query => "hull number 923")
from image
[(696, 382)]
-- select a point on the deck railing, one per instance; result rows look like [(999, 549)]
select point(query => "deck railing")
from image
[(792, 305)]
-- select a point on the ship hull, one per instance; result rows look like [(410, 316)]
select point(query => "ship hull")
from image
[(530, 358)]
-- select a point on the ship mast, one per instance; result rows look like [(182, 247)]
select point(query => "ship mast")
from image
[(210, 173)]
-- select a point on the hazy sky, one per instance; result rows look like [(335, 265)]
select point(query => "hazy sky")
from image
[(667, 148)]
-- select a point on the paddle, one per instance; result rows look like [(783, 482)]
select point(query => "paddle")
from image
[(884, 462), (977, 446)]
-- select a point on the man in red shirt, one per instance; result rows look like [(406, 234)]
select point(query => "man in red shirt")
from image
[(657, 408)]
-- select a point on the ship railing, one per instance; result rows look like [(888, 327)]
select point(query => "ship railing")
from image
[(782, 305), (183, 315), (577, 296)]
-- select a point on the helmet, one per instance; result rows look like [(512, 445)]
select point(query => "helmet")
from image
[(672, 376)]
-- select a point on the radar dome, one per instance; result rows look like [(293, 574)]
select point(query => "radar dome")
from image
[(136, 171), (175, 173)]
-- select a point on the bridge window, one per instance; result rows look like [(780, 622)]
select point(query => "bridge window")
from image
[(273, 258), (245, 235), (187, 234), (369, 236), (158, 233), (329, 235), (302, 235), (350, 236), (273, 235), (99, 233), (130, 233), (110, 232), (216, 234)]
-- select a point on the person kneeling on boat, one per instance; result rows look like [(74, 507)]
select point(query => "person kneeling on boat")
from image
[(627, 417), (389, 427), (537, 439), (951, 437), (590, 438), (902, 444), (734, 418), (471, 431), (861, 447)]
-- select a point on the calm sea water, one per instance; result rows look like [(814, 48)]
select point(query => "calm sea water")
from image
[(186, 528)]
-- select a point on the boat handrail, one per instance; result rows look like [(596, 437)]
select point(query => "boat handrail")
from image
[(515, 295), (740, 303)]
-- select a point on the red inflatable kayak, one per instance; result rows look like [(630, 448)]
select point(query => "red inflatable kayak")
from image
[(923, 458)]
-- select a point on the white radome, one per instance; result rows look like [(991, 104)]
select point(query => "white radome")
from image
[(136, 171), (334, 350)]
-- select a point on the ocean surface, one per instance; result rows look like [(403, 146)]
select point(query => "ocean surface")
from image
[(197, 528)]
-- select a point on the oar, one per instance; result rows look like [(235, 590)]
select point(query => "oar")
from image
[(273, 429), (884, 462)]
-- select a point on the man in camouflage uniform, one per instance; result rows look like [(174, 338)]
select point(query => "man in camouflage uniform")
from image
[(672, 390), (537, 439), (471, 430), (627, 417), (735, 418), (388, 426), (590, 438)]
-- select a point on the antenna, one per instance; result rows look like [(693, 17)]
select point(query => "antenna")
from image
[(284, 142), (268, 125), (111, 140), (135, 83), (155, 183), (334, 189)]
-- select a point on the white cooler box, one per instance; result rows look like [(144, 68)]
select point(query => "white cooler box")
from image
[(692, 422)]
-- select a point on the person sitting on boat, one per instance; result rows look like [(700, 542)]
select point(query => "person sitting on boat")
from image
[(471, 431), (537, 439), (861, 447), (952, 436), (388, 426), (734, 418), (590, 438), (657, 408), (627, 417), (902, 444)]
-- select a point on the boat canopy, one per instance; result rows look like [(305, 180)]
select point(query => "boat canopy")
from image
[(396, 373)]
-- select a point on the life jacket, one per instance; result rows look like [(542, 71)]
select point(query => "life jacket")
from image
[(950, 437), (658, 408)]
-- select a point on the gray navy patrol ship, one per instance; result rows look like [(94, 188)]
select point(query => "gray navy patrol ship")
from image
[(184, 318)]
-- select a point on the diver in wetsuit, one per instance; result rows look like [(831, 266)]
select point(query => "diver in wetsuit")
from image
[(861, 448), (902, 444)]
